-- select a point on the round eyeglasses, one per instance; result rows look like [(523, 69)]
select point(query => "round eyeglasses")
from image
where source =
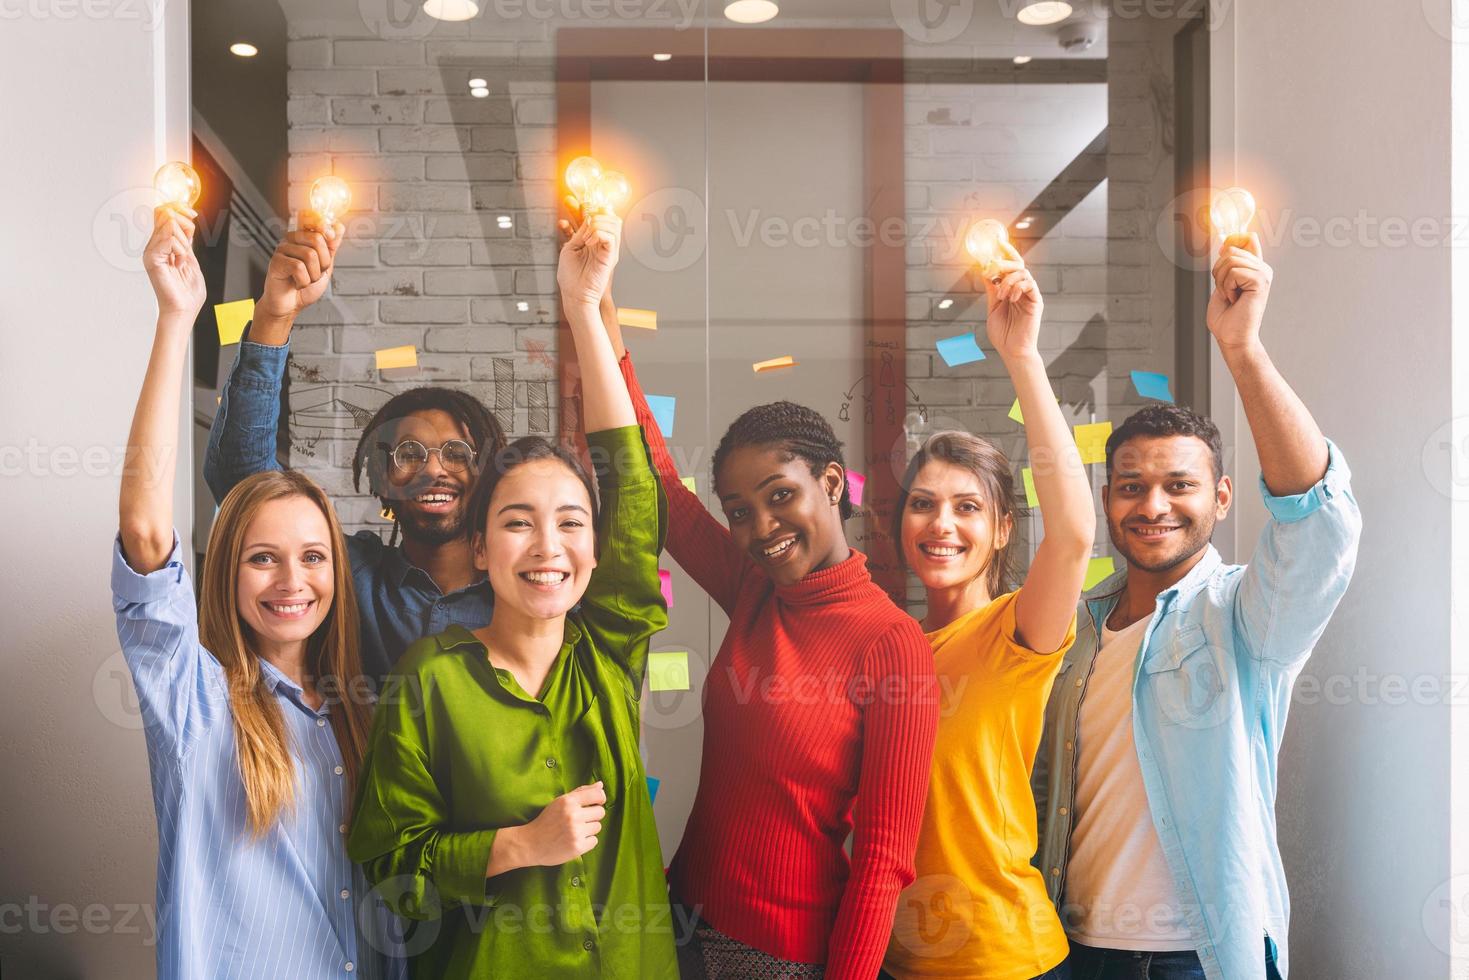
[(410, 455)]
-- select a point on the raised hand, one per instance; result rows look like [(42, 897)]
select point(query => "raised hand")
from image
[(584, 269), (566, 828), (172, 267), (300, 269), (1014, 304), (1241, 289)]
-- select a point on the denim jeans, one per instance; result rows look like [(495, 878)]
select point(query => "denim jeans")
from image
[(1087, 963)]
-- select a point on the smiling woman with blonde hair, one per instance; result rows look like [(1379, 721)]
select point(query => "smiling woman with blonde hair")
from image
[(251, 707)]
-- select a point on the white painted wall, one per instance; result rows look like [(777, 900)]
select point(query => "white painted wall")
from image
[(96, 98), (1332, 115)]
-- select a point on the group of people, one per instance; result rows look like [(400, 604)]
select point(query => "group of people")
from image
[(423, 757)]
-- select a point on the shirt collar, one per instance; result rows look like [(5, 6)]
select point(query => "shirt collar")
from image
[(282, 686), (397, 567), (1109, 589)]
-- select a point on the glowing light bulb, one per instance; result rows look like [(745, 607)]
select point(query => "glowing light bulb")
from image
[(177, 184), (330, 198), (610, 193), (985, 242), (582, 175), (1231, 212)]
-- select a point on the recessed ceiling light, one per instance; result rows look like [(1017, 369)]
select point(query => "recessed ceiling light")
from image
[(944, 304), (505, 221), (479, 93), (478, 83), (1039, 13), (1022, 225), (451, 9), (523, 306), (244, 50), (750, 11), (662, 56), (1022, 59)]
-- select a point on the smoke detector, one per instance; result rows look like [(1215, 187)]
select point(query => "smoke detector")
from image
[(1078, 37)]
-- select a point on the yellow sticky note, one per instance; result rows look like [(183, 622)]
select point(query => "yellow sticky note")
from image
[(1092, 441), (688, 481), (232, 318), (397, 357), (668, 671), (1015, 412), (1096, 570), (775, 363), (642, 319), (1028, 478)]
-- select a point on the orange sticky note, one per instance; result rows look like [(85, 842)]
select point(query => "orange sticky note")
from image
[(775, 363), (1092, 441), (642, 319), (665, 582), (231, 318), (397, 357), (1028, 478)]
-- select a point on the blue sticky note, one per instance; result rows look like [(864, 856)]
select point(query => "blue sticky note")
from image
[(1152, 385), (652, 789), (662, 407), (959, 350)]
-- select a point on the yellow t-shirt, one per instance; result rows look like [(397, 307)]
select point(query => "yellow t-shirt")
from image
[(977, 909)]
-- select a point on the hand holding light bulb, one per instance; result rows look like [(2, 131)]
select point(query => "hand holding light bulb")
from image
[(595, 189), (173, 269), (584, 268), (299, 272), (330, 198), (1242, 281), (178, 186), (1231, 211), (1013, 304), (986, 242)]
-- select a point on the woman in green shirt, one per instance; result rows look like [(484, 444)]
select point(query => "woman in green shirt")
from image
[(504, 801)]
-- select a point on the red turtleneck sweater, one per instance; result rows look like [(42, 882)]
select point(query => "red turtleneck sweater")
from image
[(819, 717)]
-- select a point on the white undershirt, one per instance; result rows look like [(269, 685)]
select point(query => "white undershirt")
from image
[(1119, 893)]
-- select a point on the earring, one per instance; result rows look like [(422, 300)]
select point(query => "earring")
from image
[(835, 498)]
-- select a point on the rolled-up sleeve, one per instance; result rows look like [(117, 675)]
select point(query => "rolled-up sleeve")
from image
[(246, 423)]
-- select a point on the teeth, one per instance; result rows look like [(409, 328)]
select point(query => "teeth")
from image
[(776, 549), (546, 578), (435, 498), (941, 550), (288, 610)]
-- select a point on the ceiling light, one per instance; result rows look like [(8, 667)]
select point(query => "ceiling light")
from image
[(244, 50), (754, 11), (478, 83), (523, 306), (1022, 225), (662, 56), (1022, 59), (1039, 13), (944, 304), (451, 9), (505, 221), (479, 93)]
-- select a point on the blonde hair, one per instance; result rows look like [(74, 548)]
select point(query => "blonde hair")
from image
[(331, 651)]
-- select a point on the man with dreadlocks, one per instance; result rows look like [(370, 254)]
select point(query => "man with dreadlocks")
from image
[(419, 455)]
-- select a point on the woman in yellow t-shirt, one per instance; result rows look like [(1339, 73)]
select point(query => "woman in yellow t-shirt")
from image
[(977, 908)]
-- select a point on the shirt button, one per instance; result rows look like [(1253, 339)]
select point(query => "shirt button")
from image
[(342, 828), (345, 893), (1055, 872), (576, 881), (587, 945), (550, 763), (1068, 746), (338, 770), (321, 723), (1079, 680), (349, 967), (1062, 811)]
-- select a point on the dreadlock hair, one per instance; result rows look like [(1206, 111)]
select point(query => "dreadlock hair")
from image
[(1168, 420), (797, 431), (526, 449), (375, 447)]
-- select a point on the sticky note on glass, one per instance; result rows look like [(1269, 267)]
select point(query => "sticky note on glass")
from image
[(662, 407), (688, 481), (959, 350), (397, 357), (1092, 441), (855, 483), (1015, 412), (1096, 570), (232, 318), (775, 363), (1028, 478), (1150, 384), (653, 785), (668, 671), (642, 319), (665, 582)]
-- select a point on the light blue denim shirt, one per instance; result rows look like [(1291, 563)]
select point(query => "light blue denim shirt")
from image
[(1210, 694)]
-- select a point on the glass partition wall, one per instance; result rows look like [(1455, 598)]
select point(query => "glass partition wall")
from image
[(801, 189)]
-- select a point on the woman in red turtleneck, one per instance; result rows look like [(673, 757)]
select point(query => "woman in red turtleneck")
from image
[(819, 712)]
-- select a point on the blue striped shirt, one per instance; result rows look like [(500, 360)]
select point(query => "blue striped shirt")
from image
[(288, 905)]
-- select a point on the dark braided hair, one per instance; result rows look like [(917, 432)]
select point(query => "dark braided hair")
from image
[(375, 447), (799, 432)]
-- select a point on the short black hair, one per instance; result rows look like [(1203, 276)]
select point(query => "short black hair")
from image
[(798, 431), (1168, 420), (374, 448), (524, 450)]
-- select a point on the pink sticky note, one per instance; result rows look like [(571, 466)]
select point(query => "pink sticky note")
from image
[(855, 482), (665, 582)]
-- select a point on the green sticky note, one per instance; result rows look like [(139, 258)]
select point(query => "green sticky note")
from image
[(1015, 412), (1028, 478), (1096, 570), (231, 318), (668, 671), (688, 481)]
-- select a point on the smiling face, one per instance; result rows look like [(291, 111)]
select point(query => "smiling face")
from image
[(951, 530), (539, 542), (285, 586), (430, 503), (780, 513), (1163, 500)]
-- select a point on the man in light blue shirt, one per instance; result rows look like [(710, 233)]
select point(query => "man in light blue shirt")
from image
[(1156, 782)]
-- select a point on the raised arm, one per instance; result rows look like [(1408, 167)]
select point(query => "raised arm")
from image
[(243, 438), (1047, 602), (145, 505)]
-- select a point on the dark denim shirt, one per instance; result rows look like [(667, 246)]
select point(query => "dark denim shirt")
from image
[(397, 602)]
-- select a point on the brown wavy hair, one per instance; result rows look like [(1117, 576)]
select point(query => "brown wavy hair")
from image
[(331, 651)]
